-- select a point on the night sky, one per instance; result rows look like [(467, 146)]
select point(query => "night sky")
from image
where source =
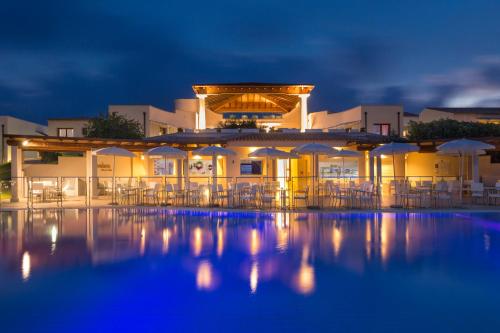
[(72, 58)]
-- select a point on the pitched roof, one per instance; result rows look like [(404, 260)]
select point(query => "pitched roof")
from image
[(222, 138), (476, 110), (409, 114)]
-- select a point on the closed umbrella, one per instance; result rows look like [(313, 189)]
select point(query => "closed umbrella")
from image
[(314, 149), (114, 151), (463, 147), (394, 148), (213, 151), (271, 153)]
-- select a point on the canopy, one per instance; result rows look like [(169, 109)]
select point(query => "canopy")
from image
[(167, 152), (346, 153), (114, 151), (213, 151), (271, 153), (464, 146), (394, 148), (313, 149)]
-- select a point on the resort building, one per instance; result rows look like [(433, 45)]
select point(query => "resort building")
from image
[(12, 125), (284, 122), (484, 115), (67, 127), (377, 119)]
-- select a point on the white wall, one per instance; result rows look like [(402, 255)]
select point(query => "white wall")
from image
[(13, 125), (76, 124)]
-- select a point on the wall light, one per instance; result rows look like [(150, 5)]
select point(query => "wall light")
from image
[(25, 143)]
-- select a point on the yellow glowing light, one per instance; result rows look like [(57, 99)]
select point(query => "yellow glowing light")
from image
[(53, 234), (143, 241), (142, 156), (26, 266), (166, 239), (254, 242), (25, 143), (368, 240), (196, 157), (204, 279), (220, 242), (219, 157), (383, 156), (254, 277), (252, 149), (197, 242), (305, 280), (336, 240)]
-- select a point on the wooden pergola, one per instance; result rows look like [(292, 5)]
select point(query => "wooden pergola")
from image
[(252, 97)]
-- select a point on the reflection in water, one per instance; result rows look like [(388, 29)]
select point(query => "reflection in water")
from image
[(304, 279), (288, 248), (336, 240), (197, 242), (166, 239), (26, 266), (254, 242), (204, 276), (254, 277), (143, 241), (220, 241)]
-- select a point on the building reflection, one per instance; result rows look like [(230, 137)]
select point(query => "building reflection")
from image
[(284, 247)]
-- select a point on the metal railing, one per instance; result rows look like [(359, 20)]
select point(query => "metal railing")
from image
[(234, 192)]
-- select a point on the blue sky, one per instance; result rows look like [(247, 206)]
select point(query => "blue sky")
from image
[(73, 58)]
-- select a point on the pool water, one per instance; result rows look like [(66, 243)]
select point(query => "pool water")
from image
[(155, 270)]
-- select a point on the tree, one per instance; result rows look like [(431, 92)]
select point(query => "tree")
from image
[(114, 126), (450, 129)]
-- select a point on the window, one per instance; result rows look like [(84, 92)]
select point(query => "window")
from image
[(66, 132), (382, 129), (250, 167)]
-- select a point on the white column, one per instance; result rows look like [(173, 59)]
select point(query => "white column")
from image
[(379, 169), (91, 173), (372, 169), (16, 171), (202, 121), (303, 112), (475, 168)]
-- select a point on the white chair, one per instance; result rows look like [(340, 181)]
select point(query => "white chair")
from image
[(301, 195), (494, 195), (267, 197), (152, 193), (477, 192)]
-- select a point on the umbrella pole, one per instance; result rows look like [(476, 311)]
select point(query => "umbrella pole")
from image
[(113, 190), (214, 178), (461, 178)]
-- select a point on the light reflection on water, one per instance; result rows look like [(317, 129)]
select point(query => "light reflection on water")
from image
[(250, 253)]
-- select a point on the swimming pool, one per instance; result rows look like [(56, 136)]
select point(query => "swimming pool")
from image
[(173, 270)]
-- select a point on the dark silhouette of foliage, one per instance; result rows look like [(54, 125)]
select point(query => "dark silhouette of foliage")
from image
[(114, 126), (450, 129)]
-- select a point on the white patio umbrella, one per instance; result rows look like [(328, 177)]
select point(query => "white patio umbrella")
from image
[(213, 151), (463, 147), (394, 148), (114, 151), (314, 149), (168, 152), (271, 153), (346, 153)]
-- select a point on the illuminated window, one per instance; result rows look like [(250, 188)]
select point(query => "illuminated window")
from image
[(65, 132)]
